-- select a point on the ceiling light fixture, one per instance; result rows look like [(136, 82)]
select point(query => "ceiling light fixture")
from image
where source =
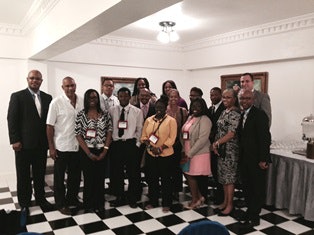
[(167, 33)]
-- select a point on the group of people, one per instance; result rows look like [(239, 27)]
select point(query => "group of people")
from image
[(137, 132)]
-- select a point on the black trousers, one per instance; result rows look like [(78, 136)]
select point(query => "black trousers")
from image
[(254, 188), (70, 162), (125, 155), (94, 176), (25, 161), (176, 176), (159, 168), (219, 192)]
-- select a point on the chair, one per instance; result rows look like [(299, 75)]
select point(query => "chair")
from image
[(205, 227)]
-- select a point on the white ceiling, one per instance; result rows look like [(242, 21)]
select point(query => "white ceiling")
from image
[(195, 19)]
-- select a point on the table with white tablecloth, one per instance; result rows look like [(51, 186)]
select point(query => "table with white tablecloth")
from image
[(290, 183)]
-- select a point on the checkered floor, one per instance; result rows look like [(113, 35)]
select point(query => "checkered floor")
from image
[(125, 220)]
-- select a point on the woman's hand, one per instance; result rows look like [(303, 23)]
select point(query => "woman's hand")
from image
[(156, 151), (215, 147)]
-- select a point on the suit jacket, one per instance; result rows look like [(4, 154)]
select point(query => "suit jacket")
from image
[(151, 110), (24, 123), (262, 101), (255, 137), (198, 136), (214, 118)]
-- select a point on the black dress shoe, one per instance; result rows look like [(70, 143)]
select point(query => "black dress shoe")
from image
[(65, 211), (118, 202), (251, 223), (133, 204), (46, 206)]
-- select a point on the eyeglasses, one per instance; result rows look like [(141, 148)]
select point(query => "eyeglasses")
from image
[(245, 98), (35, 78)]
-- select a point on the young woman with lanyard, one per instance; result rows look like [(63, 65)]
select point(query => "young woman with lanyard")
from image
[(159, 134)]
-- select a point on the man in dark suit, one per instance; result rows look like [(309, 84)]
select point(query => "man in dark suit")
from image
[(147, 107), (261, 100), (27, 115), (254, 156), (214, 112)]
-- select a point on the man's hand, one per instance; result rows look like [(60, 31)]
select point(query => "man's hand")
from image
[(17, 146)]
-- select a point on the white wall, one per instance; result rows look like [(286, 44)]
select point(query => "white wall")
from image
[(291, 86)]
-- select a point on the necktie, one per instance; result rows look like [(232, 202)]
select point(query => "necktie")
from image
[(107, 106), (244, 118), (38, 105), (121, 130), (213, 109), (144, 109)]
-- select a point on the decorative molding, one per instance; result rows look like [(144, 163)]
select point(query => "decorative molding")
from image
[(135, 43), (282, 26), (38, 10)]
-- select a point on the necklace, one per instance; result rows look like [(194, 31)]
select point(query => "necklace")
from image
[(171, 112)]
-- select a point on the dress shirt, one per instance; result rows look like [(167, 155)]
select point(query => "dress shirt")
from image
[(246, 112), (134, 118), (217, 106), (112, 101), (61, 116), (144, 108)]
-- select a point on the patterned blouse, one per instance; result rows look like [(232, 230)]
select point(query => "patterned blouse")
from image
[(101, 126)]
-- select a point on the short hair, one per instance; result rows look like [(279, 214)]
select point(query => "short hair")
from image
[(86, 100), (197, 90), (175, 90), (203, 104), (68, 78), (216, 89), (124, 89), (248, 74), (172, 83), (107, 79), (136, 90)]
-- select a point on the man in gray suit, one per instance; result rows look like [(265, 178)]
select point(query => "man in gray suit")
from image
[(261, 100)]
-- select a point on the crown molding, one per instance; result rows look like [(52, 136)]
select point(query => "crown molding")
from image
[(277, 27), (38, 10), (135, 43)]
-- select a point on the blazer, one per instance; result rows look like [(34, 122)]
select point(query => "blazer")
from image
[(151, 110), (255, 137), (198, 135), (262, 101), (24, 123), (214, 118)]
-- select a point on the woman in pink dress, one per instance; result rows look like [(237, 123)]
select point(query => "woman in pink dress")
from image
[(195, 137)]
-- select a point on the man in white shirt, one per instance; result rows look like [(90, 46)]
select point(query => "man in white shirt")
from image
[(63, 146), (107, 98), (127, 123), (261, 100)]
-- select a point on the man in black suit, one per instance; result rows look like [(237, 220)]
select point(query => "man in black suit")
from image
[(214, 112), (254, 156), (27, 115), (147, 107)]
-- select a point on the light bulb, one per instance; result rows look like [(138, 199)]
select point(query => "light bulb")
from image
[(173, 36), (163, 37)]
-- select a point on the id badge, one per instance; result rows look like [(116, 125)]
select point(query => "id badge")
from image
[(185, 135), (91, 133), (153, 138), (123, 124)]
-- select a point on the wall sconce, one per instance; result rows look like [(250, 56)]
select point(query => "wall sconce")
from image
[(167, 33)]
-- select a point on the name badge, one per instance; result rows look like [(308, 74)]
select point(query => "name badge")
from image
[(91, 133), (153, 138), (123, 124), (185, 135)]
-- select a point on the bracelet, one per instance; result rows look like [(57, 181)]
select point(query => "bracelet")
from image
[(106, 147), (217, 143), (90, 155)]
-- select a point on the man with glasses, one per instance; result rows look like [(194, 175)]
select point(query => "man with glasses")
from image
[(27, 116), (107, 98)]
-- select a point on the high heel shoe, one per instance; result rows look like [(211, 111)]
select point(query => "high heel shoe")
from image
[(218, 210), (223, 214), (193, 205)]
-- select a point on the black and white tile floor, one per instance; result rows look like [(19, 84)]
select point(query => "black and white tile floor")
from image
[(127, 221)]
